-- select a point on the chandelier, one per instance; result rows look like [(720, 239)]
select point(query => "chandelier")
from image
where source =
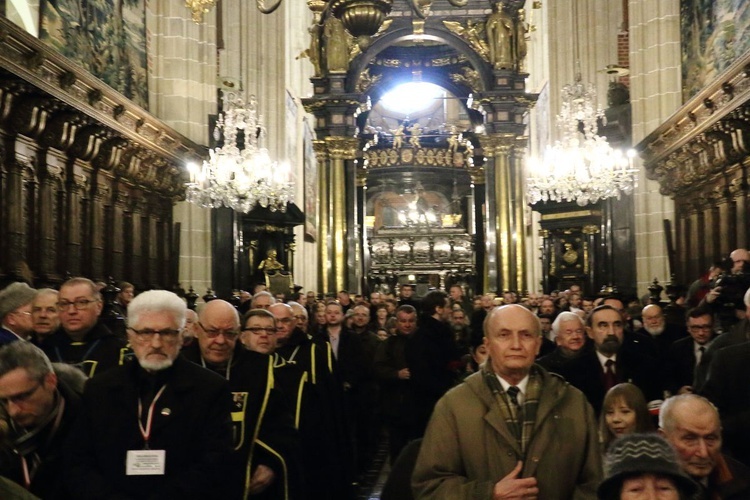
[(581, 166), (238, 178)]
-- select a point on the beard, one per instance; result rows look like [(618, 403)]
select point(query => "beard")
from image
[(609, 346), (156, 365), (655, 330)]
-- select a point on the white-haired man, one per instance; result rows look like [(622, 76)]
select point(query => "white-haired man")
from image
[(158, 427)]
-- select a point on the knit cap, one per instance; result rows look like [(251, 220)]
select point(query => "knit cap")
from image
[(637, 454)]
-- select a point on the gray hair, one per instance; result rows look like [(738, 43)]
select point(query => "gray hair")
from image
[(296, 306), (157, 301), (23, 354), (666, 412), (262, 294), (566, 316)]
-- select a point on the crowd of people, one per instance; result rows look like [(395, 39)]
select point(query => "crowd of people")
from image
[(544, 396)]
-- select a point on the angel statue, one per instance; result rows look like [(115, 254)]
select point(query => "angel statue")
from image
[(398, 136), (415, 131), (473, 34)]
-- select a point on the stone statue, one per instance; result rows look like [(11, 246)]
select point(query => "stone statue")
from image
[(270, 264), (500, 35), (336, 46)]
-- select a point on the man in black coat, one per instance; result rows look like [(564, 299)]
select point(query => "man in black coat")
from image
[(611, 362), (158, 427), (432, 357), (728, 389), (686, 354), (41, 403), (264, 438), (82, 340), (393, 374)]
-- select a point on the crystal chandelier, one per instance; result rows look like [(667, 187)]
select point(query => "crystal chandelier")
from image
[(581, 166), (238, 178)]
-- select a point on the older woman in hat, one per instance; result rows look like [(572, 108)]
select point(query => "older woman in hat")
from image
[(644, 467)]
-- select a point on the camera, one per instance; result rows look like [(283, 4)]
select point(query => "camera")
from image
[(733, 287)]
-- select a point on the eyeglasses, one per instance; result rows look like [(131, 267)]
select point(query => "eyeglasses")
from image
[(21, 397), (695, 328), (78, 304), (212, 333), (146, 335), (286, 321), (257, 330), (26, 313)]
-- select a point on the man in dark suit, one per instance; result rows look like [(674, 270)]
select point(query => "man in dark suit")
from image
[(662, 333), (686, 354), (727, 387), (156, 427), (432, 356), (611, 362)]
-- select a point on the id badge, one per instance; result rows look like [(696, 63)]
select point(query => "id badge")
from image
[(145, 462)]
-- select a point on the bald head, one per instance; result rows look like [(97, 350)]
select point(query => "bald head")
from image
[(739, 258)]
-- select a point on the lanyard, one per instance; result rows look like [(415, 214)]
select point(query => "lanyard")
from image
[(146, 433), (27, 475)]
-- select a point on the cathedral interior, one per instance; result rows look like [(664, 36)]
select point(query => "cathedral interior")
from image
[(409, 127)]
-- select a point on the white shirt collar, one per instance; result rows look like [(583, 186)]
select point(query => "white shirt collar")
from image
[(521, 387)]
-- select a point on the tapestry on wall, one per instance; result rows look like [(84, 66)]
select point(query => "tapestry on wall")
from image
[(106, 37), (714, 34)]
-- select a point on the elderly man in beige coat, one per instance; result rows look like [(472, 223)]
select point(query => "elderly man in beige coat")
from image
[(512, 430)]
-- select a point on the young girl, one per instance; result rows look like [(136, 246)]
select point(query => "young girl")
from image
[(624, 411)]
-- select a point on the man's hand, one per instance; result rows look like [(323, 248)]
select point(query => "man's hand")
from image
[(404, 374), (262, 479), (713, 294), (512, 487)]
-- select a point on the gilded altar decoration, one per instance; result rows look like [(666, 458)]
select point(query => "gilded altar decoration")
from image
[(366, 81), (469, 77), (270, 264), (473, 34)]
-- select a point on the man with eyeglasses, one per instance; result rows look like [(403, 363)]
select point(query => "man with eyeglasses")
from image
[(15, 312), (686, 354), (40, 403), (300, 313), (264, 438), (303, 367), (157, 427), (82, 340)]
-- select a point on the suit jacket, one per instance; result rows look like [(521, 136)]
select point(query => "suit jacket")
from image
[(727, 387), (586, 373), (191, 422), (740, 333), (680, 365)]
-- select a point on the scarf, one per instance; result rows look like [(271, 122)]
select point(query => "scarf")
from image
[(521, 422), (28, 443)]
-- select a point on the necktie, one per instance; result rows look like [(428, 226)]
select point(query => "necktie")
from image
[(609, 375), (513, 395), (699, 357)]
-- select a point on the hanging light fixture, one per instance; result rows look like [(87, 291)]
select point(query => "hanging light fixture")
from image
[(581, 166), (238, 178)]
